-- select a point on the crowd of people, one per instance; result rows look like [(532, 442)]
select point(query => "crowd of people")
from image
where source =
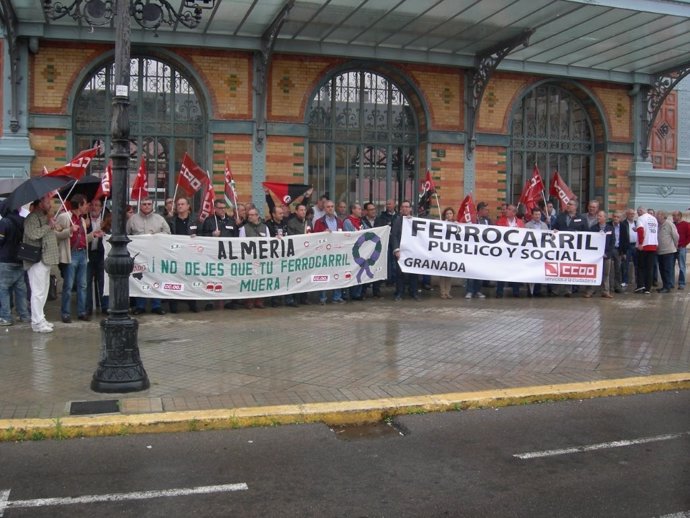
[(643, 248)]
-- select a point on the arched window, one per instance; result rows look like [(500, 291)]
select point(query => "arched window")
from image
[(551, 128), (166, 120), (363, 140)]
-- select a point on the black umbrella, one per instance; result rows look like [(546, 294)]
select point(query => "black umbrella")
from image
[(34, 189), (86, 185)]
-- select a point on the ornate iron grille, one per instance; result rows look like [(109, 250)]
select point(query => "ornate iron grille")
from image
[(551, 128), (166, 120), (360, 125)]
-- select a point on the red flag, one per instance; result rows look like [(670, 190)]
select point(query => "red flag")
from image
[(230, 192), (560, 190), (76, 168), (467, 213), (286, 192), (140, 187), (532, 191), (428, 184), (208, 201), (106, 182), (191, 177)]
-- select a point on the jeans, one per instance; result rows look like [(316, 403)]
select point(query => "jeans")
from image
[(75, 273), (666, 263), (12, 280), (337, 295), (629, 266), (95, 279), (681, 257)]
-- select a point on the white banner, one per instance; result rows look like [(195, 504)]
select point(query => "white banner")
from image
[(183, 267), (487, 252)]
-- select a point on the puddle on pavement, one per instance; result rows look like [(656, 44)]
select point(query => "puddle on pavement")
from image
[(361, 432)]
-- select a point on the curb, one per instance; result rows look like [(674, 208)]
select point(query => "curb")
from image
[(330, 413)]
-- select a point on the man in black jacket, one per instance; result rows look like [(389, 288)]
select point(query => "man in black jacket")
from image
[(183, 223), (12, 269)]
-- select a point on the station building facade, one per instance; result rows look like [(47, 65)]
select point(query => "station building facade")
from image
[(359, 130)]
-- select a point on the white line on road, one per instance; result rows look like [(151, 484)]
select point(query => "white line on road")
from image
[(685, 514), (116, 497), (600, 446)]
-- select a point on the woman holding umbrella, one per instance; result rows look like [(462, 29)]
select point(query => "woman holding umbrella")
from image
[(39, 230)]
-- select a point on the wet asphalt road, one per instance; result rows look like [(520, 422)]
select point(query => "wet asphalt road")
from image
[(453, 464)]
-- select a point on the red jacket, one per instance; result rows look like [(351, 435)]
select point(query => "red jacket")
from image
[(320, 224), (503, 222), (683, 233)]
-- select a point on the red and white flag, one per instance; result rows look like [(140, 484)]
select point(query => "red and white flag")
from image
[(208, 200), (467, 213), (75, 168), (140, 187), (230, 192), (560, 190), (191, 177), (105, 187), (533, 190)]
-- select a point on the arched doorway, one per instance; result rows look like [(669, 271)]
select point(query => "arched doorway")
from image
[(551, 128), (363, 139), (166, 120)]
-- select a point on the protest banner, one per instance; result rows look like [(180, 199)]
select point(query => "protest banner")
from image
[(488, 252), (204, 268)]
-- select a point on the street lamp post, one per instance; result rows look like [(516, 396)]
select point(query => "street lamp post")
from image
[(120, 368)]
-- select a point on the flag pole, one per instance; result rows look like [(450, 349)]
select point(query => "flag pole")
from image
[(438, 205)]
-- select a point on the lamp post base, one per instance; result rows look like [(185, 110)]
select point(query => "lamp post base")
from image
[(120, 368)]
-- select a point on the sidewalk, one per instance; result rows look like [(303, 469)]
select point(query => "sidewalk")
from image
[(347, 362)]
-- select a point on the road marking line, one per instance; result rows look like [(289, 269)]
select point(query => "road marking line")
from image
[(600, 446), (4, 497), (683, 514), (117, 497)]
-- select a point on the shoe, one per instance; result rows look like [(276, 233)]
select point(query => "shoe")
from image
[(416, 297), (4, 322), (640, 290), (468, 296), (158, 311), (66, 319), (292, 304), (42, 328), (681, 288), (426, 287), (607, 295), (480, 295), (322, 302), (664, 290), (618, 290), (338, 301), (647, 292), (138, 311), (48, 324), (85, 318), (624, 284), (587, 295), (397, 298), (208, 307)]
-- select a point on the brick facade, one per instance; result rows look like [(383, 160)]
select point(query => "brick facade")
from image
[(435, 93)]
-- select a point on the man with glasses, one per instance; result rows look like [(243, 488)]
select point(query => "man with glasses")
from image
[(144, 222)]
